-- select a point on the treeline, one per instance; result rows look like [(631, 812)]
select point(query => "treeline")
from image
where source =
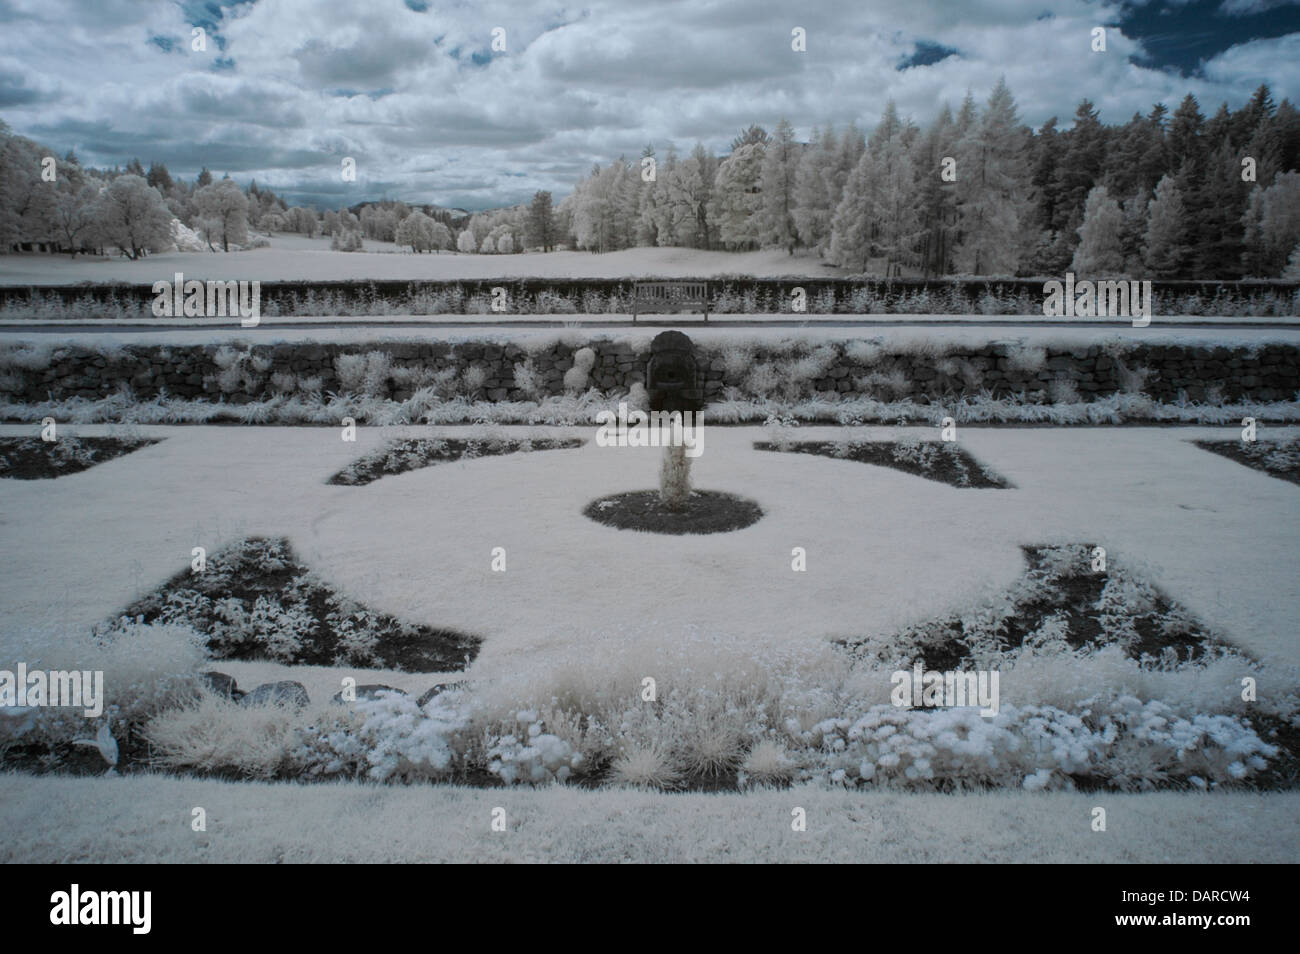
[(56, 204), (979, 193)]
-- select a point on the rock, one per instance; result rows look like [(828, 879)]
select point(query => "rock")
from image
[(223, 685), (285, 693), (368, 691)]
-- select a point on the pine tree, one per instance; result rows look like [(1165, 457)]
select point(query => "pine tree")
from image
[(877, 213), (936, 197), (992, 189), (541, 222), (777, 179), (893, 205), (814, 203), (753, 136), (1081, 166), (850, 245), (159, 177), (1218, 239)]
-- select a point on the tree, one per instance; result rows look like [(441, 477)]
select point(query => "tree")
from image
[(506, 244), (204, 179), (466, 242), (776, 186), (689, 187), (936, 205), (75, 213), (1292, 272), (662, 218), (1133, 232), (223, 213), (605, 208), (1098, 252), (25, 201), (1081, 165), (442, 237), (753, 136), (877, 213), (541, 229), (734, 205), (1272, 224), (159, 177), (1164, 250), (992, 189), (489, 246), (814, 202), (850, 245), (133, 217), (379, 223), (302, 220), (1219, 207), (893, 202), (417, 231)]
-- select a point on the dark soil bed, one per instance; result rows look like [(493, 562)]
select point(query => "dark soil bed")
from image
[(707, 511), (254, 600), (1276, 458), (414, 453), (30, 458), (1061, 596), (943, 461)]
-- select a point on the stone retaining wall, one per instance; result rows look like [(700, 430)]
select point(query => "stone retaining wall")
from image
[(241, 374)]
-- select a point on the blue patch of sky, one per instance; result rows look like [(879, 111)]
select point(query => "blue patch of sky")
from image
[(371, 93), (925, 54), (1180, 37)]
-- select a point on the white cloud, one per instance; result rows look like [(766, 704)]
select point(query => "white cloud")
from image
[(313, 80)]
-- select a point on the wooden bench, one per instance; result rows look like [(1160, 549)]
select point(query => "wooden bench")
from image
[(663, 297)]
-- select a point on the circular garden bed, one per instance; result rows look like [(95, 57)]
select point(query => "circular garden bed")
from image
[(706, 511)]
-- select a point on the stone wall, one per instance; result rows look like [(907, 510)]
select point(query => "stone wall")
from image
[(241, 373)]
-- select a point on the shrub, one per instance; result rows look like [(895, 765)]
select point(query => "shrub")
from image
[(646, 766), (576, 378), (768, 762)]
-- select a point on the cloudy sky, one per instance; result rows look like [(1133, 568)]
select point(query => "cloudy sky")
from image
[(413, 90)]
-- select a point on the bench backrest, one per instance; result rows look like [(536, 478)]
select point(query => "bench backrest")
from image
[(697, 291)]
